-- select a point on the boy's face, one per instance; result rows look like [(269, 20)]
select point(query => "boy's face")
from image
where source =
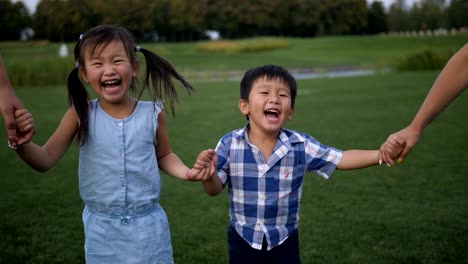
[(269, 105)]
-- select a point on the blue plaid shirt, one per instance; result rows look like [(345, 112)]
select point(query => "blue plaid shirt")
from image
[(264, 195)]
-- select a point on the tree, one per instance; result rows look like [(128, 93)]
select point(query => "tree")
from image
[(376, 20), (398, 19), (14, 17), (344, 17), (456, 14), (428, 14)]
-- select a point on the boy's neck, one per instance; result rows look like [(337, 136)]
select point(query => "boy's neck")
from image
[(264, 141)]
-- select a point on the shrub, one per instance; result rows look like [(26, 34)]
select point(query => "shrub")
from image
[(424, 60), (243, 46)]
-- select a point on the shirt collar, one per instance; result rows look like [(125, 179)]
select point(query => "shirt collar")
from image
[(286, 136)]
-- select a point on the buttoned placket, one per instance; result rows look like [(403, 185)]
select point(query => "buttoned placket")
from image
[(121, 148)]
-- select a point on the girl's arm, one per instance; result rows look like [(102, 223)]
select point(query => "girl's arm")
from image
[(42, 158), (168, 161)]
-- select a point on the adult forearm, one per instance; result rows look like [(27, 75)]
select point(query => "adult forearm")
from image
[(5, 86), (450, 83)]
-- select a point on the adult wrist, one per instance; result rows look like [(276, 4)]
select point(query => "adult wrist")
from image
[(14, 146)]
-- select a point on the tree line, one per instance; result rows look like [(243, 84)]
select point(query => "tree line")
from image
[(184, 20)]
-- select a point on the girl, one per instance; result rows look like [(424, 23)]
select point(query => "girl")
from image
[(123, 144)]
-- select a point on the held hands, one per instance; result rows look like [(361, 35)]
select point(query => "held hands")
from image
[(390, 150), (205, 166), (409, 136), (24, 128), (9, 105)]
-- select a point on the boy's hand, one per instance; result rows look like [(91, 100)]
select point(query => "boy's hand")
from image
[(391, 149), (24, 126), (204, 167)]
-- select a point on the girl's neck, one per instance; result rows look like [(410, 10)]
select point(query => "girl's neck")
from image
[(119, 110)]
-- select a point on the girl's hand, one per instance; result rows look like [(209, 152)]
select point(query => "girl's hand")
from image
[(204, 167)]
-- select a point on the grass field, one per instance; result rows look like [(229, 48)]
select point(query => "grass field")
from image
[(413, 213), (37, 63)]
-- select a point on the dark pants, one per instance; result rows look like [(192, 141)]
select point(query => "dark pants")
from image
[(240, 252)]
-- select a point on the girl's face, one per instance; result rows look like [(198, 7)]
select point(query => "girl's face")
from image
[(269, 105), (109, 71)]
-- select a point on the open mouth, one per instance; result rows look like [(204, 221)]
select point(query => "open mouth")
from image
[(111, 84), (272, 114)]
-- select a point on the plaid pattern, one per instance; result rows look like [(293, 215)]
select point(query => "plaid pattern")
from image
[(265, 195)]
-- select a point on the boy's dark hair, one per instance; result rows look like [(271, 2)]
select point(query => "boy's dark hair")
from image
[(159, 72), (270, 72)]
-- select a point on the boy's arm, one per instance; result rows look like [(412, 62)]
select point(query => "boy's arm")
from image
[(213, 186), (45, 157), (358, 159), (204, 167)]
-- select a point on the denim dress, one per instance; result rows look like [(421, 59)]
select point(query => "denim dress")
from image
[(120, 185)]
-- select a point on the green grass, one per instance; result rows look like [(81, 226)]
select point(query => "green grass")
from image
[(414, 213), (35, 64)]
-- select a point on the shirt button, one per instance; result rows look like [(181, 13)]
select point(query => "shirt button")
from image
[(120, 124)]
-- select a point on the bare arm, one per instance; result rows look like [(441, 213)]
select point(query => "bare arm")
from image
[(213, 186), (358, 159), (451, 82), (168, 161), (42, 158), (9, 102)]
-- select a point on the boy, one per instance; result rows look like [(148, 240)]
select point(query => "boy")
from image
[(263, 166)]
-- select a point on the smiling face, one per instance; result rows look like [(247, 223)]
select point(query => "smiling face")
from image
[(269, 105), (109, 71)]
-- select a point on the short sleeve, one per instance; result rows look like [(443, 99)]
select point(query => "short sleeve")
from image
[(321, 159), (223, 150)]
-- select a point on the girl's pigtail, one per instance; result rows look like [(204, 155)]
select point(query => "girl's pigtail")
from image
[(78, 97), (161, 74)]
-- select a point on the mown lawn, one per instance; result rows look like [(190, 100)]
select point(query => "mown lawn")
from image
[(413, 213)]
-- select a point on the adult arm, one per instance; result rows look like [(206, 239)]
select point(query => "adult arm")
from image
[(9, 102), (451, 82)]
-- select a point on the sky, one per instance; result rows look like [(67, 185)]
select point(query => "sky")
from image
[(31, 4)]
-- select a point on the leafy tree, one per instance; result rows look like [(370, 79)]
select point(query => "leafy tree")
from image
[(14, 17), (344, 17), (377, 19), (428, 14), (398, 18), (456, 14)]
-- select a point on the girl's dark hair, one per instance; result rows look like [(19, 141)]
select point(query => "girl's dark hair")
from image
[(270, 72), (158, 77)]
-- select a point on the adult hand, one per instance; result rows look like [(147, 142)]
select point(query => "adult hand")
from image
[(409, 137), (9, 103)]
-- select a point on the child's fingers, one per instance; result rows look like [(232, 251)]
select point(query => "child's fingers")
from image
[(24, 120), (20, 112), (385, 153)]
